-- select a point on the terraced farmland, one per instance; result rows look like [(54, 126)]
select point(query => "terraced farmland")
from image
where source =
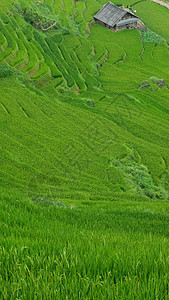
[(84, 161)]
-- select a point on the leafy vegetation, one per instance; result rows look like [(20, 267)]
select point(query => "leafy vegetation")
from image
[(149, 36), (83, 249), (146, 85), (138, 177)]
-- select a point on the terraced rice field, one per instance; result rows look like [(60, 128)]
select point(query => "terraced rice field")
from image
[(84, 161)]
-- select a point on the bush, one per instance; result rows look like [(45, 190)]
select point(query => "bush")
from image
[(90, 102), (149, 36), (5, 70), (35, 18), (159, 82), (139, 177), (146, 85)]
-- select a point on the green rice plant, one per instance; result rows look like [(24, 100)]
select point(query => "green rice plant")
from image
[(45, 47), (33, 61), (3, 42), (55, 72), (36, 50), (57, 38), (6, 6), (78, 64), (92, 8), (11, 42), (72, 240), (71, 67), (6, 54), (43, 70), (27, 31), (62, 66), (5, 18), (80, 9), (160, 53), (19, 59), (69, 7), (83, 54), (148, 11), (13, 22), (82, 215)]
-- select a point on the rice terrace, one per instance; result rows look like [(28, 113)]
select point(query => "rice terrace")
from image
[(84, 149)]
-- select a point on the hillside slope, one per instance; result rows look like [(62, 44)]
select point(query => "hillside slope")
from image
[(84, 161), (85, 129)]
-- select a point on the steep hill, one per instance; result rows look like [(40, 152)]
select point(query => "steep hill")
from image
[(84, 121), (81, 124)]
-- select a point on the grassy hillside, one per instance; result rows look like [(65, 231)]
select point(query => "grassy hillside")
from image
[(84, 249), (84, 135)]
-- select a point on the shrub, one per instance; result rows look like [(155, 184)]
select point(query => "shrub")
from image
[(160, 82), (146, 85), (35, 18), (139, 178), (90, 102), (149, 36), (5, 70)]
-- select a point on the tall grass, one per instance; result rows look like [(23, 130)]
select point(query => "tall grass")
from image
[(83, 250), (83, 156)]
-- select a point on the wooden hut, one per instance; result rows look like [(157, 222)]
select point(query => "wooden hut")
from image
[(115, 18)]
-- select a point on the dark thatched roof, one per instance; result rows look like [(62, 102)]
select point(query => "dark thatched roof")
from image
[(111, 14)]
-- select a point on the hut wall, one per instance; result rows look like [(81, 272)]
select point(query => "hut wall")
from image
[(117, 28), (132, 25), (127, 16), (127, 26)]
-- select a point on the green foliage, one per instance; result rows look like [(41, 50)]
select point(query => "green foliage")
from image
[(149, 36), (6, 70), (139, 178), (86, 249), (160, 82), (57, 38), (146, 85), (43, 70), (90, 102), (82, 215), (31, 16), (155, 17)]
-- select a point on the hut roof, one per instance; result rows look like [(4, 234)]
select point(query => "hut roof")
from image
[(127, 21), (111, 14)]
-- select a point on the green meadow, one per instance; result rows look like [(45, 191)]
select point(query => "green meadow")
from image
[(84, 161)]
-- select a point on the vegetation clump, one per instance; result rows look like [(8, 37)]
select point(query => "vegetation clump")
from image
[(160, 82), (149, 36), (36, 20), (139, 177), (90, 102), (146, 85), (6, 70)]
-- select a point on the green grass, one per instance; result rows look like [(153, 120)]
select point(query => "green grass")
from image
[(149, 11), (83, 250), (84, 162)]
